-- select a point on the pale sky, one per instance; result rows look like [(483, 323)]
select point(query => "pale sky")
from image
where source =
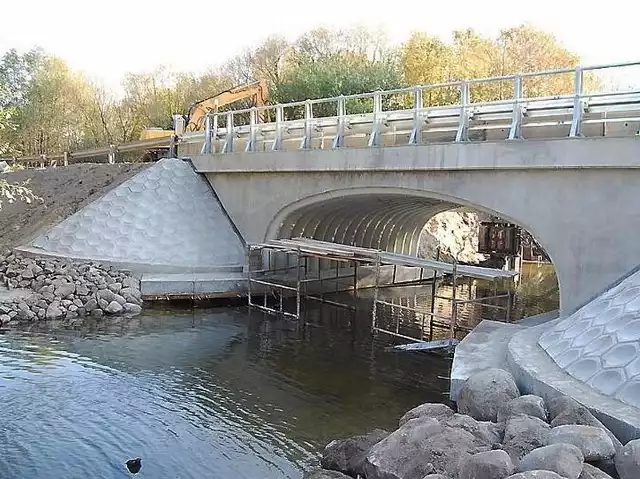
[(108, 38)]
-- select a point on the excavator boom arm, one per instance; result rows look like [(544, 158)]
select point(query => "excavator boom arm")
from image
[(198, 111)]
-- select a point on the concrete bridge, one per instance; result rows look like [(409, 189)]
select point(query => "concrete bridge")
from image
[(575, 196), (371, 169), (565, 168)]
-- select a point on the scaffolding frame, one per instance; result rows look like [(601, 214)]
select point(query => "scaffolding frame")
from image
[(295, 280)]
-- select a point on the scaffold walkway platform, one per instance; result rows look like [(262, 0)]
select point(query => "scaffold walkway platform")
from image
[(284, 273)]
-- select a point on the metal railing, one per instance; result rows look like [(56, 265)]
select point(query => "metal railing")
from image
[(109, 152), (414, 115), (417, 112)]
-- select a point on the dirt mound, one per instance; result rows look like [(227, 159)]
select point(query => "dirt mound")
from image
[(64, 191)]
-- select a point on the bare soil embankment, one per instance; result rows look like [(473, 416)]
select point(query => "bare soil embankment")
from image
[(63, 191)]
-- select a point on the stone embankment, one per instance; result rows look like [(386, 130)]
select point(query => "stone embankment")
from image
[(37, 289), (497, 433)]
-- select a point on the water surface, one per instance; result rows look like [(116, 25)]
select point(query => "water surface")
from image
[(215, 393)]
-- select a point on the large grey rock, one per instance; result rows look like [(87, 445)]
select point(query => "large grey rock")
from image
[(105, 295), (65, 289), (132, 308), (592, 441), (119, 299), (435, 410), (91, 304), (54, 312), (114, 307), (561, 404), (536, 475), (486, 465), (628, 460), (324, 474), (487, 432), (421, 446), (348, 455), (565, 410), (82, 289), (130, 282), (592, 472), (523, 434), (529, 404), (482, 394), (563, 459), (115, 287), (131, 292)]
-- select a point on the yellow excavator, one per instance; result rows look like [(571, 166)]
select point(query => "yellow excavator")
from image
[(195, 118)]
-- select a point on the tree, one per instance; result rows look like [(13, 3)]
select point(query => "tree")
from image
[(11, 192), (324, 63), (49, 119), (526, 49), (263, 62), (428, 60)]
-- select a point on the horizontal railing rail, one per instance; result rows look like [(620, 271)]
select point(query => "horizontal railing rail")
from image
[(109, 152)]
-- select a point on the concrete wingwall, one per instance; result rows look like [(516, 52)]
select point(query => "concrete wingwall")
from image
[(165, 219), (583, 216)]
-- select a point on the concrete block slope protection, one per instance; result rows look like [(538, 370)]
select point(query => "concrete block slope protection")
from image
[(600, 343), (165, 219)]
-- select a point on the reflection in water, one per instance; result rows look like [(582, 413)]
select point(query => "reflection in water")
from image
[(213, 393), (536, 292)]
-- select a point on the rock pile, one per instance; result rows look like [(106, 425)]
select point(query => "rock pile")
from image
[(54, 289), (503, 435)]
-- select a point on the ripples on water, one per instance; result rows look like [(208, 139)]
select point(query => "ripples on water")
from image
[(216, 393), (210, 393)]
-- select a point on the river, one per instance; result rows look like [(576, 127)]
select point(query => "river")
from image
[(216, 393)]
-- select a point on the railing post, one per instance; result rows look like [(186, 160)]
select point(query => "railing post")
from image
[(111, 156), (43, 161), (277, 141), (178, 125), (305, 144), (338, 140), (253, 133), (416, 132), (516, 121), (578, 107), (374, 139), (206, 148), (66, 158), (231, 131), (463, 125)]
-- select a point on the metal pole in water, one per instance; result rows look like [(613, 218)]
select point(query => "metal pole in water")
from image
[(374, 312), (454, 305), (298, 286), (249, 275)]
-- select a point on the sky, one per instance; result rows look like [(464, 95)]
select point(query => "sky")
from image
[(109, 38)]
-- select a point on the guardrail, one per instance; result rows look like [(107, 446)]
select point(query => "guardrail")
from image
[(442, 112), (414, 115), (110, 152)]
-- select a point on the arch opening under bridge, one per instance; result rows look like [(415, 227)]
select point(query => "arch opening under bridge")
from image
[(388, 219)]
